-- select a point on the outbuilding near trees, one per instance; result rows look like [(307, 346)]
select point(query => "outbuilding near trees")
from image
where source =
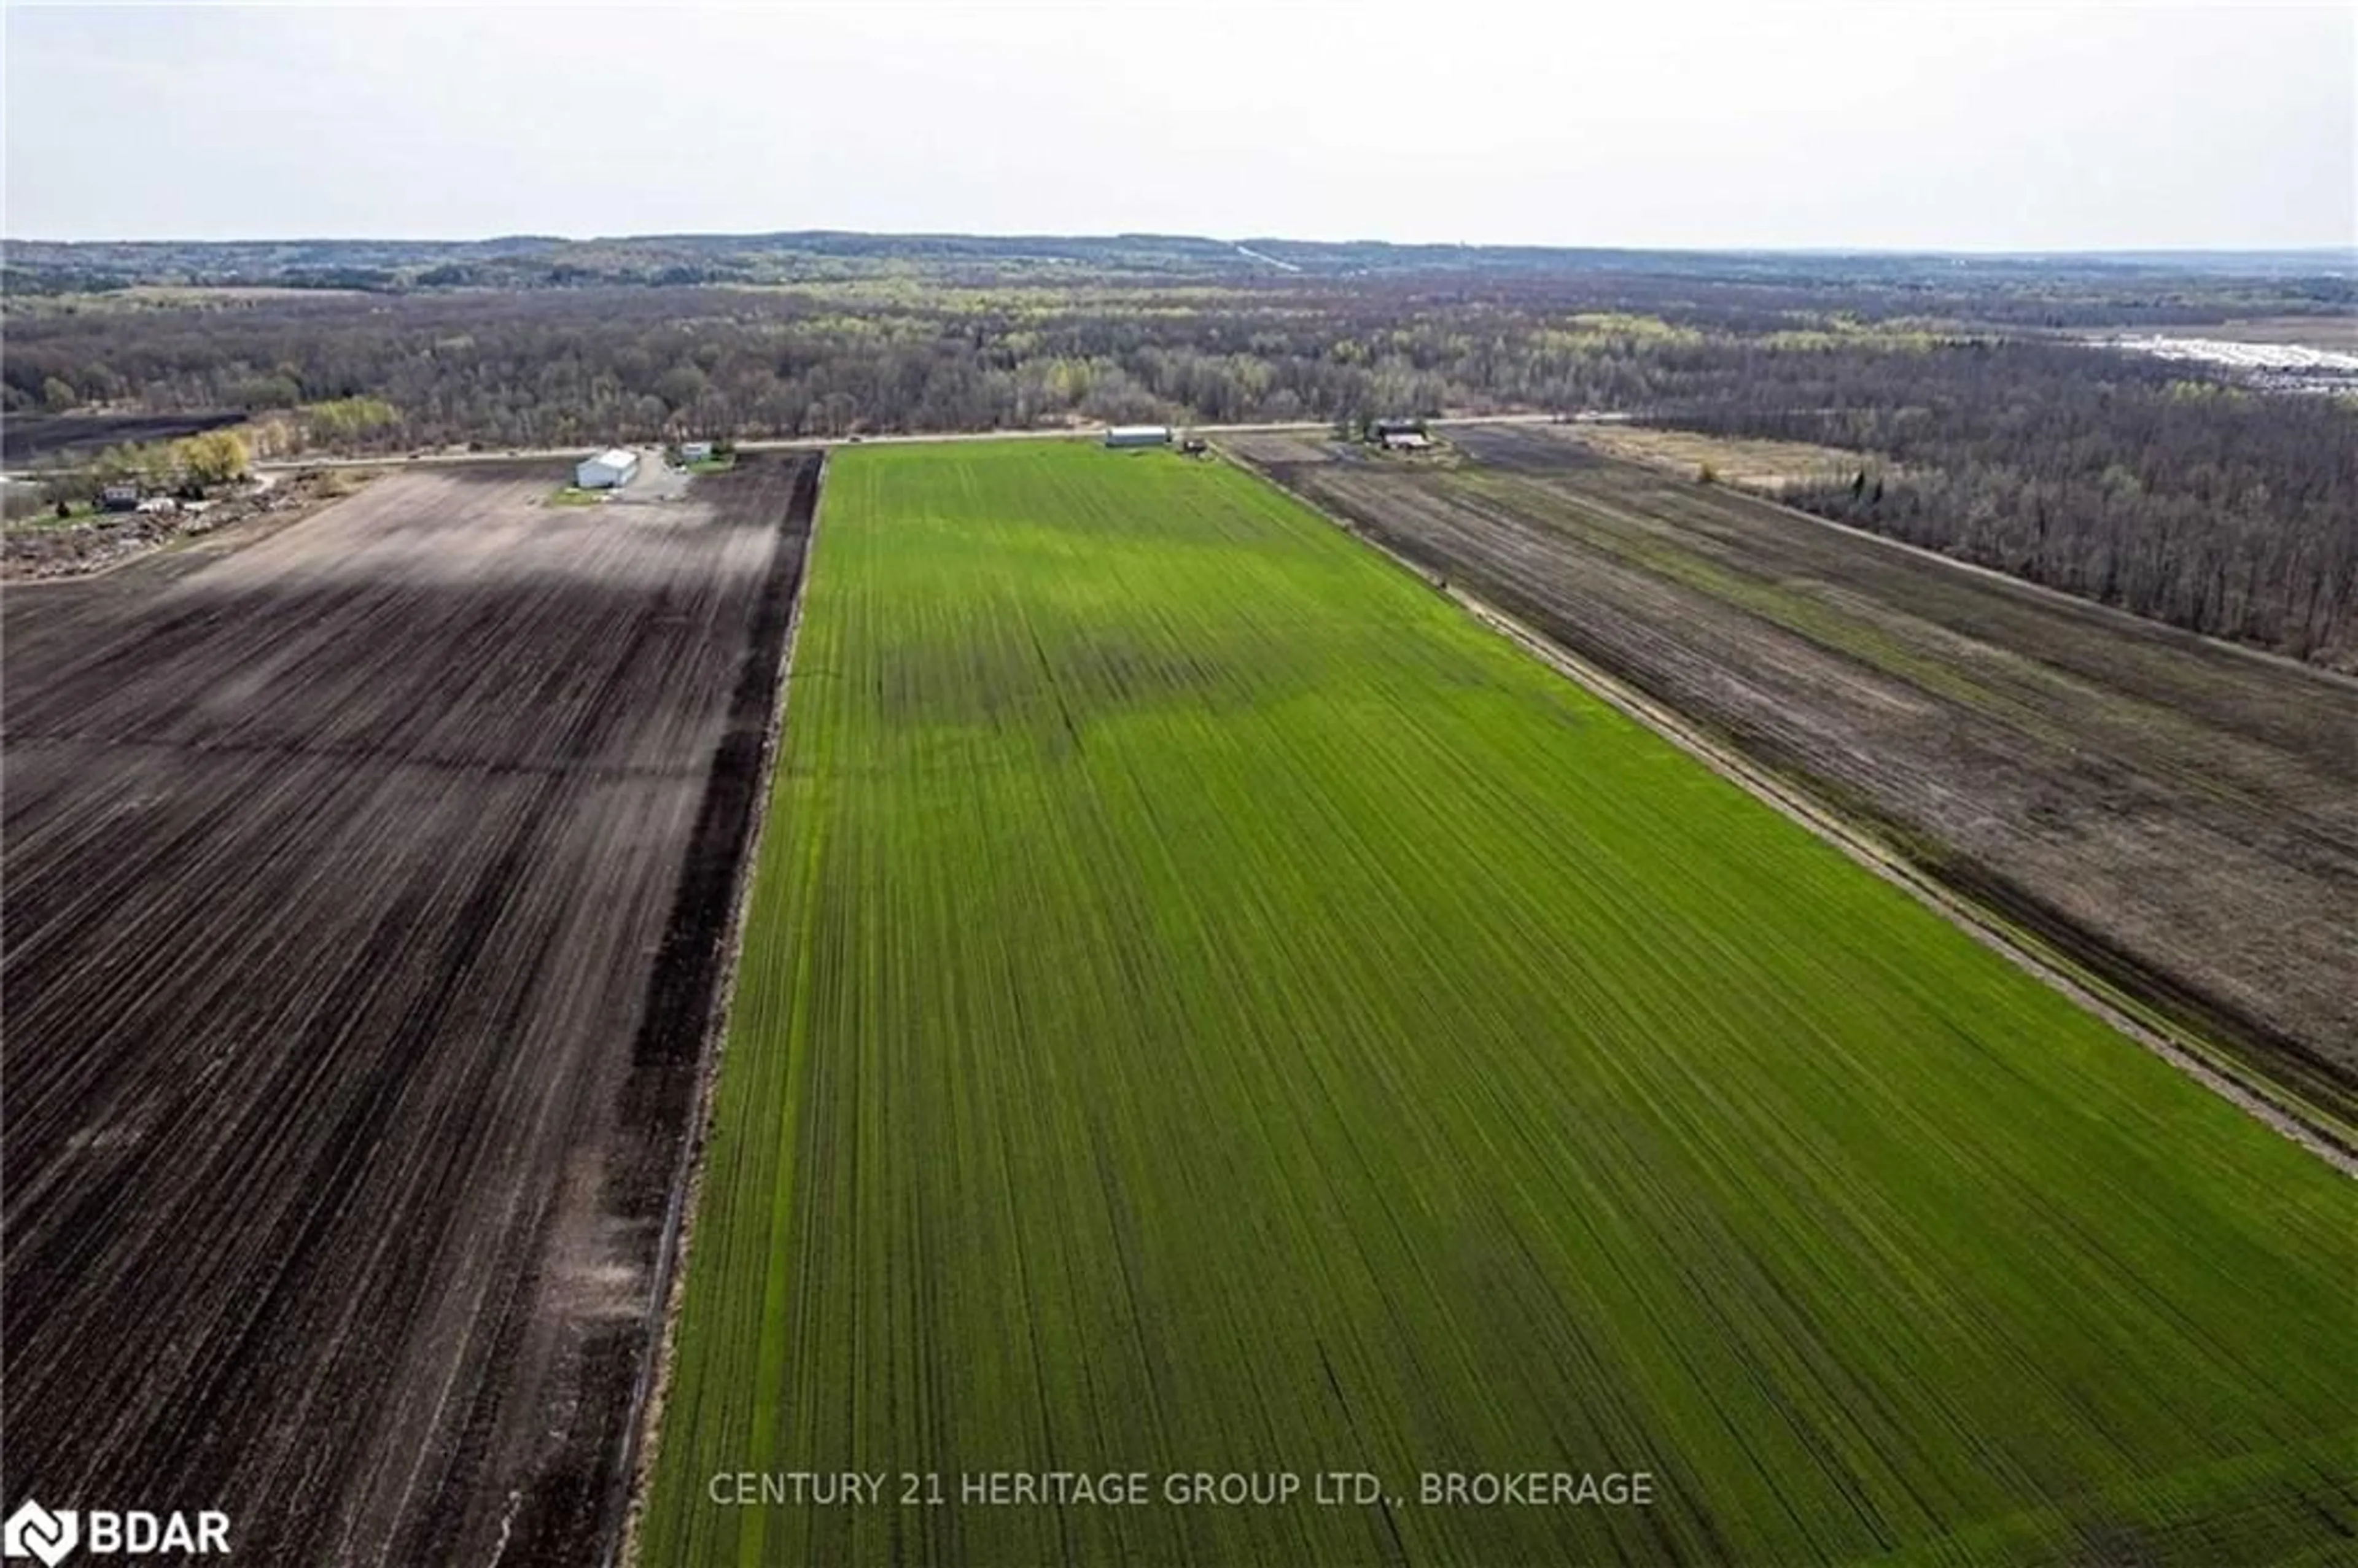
[(609, 469)]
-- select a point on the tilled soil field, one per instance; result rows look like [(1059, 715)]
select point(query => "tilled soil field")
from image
[(363, 890), (2177, 815)]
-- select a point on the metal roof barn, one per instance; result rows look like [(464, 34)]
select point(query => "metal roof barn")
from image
[(607, 471), (1138, 435)]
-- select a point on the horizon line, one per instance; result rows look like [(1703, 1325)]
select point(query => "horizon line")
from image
[(2348, 251)]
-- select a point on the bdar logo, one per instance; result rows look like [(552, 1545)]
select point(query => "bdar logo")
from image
[(52, 1536), (34, 1532)]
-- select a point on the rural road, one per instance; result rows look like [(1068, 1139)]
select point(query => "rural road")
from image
[(812, 443)]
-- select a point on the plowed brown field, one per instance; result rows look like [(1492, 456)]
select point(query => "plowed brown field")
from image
[(363, 889)]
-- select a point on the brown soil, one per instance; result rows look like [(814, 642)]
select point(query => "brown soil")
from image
[(364, 893), (1749, 463)]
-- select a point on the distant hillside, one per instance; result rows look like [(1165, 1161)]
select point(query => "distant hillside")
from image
[(40, 266)]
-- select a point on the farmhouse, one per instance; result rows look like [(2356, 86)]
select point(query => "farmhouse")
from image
[(1385, 429), (118, 498), (607, 471), (695, 452), (1138, 435), (1406, 441)]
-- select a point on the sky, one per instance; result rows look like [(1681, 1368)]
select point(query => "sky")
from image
[(1649, 122)]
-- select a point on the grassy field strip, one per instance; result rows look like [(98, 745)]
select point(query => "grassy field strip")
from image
[(2328, 1137), (650, 1397), (1209, 1005), (2314, 1127), (2175, 820)]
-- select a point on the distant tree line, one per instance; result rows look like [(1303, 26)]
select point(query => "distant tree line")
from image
[(2128, 481), (2221, 510), (2045, 291)]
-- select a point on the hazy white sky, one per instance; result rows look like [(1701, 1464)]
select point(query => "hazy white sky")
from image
[(1646, 123)]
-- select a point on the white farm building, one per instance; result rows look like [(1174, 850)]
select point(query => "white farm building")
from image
[(1138, 435), (607, 471)]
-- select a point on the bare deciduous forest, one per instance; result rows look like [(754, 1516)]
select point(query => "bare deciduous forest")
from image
[(1986, 423)]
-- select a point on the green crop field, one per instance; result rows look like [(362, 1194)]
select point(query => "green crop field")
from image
[(1209, 1007)]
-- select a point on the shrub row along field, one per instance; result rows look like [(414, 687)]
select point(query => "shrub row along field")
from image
[(1208, 1007), (359, 896), (2179, 816)]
